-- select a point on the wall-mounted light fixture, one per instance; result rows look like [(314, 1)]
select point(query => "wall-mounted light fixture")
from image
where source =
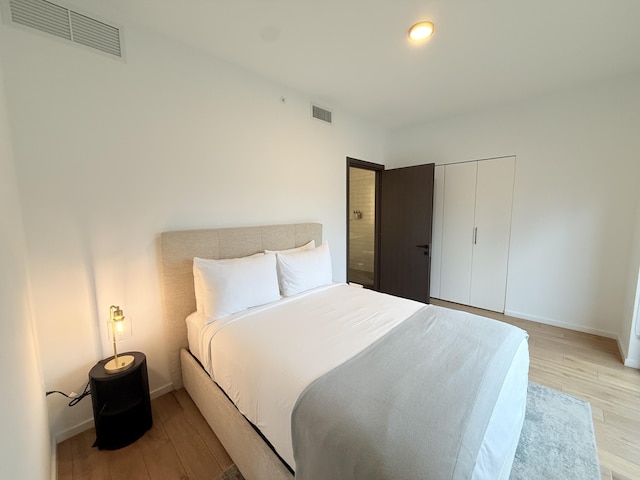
[(118, 329)]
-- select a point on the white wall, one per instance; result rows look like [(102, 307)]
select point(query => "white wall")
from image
[(575, 197), (109, 154), (25, 442)]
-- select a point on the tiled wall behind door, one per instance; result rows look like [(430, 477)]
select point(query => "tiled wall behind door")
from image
[(362, 197)]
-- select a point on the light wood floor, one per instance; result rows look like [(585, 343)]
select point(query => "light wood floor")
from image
[(182, 446)]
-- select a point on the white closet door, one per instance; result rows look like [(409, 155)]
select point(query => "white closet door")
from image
[(436, 235), (457, 231), (494, 198)]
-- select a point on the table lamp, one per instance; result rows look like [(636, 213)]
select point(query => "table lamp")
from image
[(117, 328)]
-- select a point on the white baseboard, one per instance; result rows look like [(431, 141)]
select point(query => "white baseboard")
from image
[(622, 350), (624, 355), (632, 363), (158, 392), (75, 430), (568, 326), (579, 328), (87, 424)]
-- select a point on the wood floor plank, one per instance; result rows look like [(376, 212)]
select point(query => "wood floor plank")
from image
[(539, 376), (597, 413), (198, 461), (564, 372), (605, 473), (621, 421), (165, 407), (618, 441), (127, 463), (606, 397), (575, 363), (616, 369), (154, 438), (164, 464), (89, 463), (620, 467), (65, 460), (617, 476), (612, 378), (201, 425)]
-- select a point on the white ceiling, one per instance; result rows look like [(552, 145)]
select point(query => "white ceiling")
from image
[(354, 55)]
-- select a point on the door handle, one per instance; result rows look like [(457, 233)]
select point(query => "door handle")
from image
[(475, 235), (425, 246)]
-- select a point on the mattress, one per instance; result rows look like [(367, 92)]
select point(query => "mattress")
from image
[(263, 358)]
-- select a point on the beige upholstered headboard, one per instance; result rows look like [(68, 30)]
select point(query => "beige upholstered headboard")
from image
[(177, 252)]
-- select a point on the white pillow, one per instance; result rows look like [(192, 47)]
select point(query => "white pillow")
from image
[(304, 270), (198, 282), (232, 285), (307, 246)]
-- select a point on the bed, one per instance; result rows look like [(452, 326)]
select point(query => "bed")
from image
[(301, 408)]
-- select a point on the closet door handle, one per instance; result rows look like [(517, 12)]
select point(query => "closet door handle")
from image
[(475, 235)]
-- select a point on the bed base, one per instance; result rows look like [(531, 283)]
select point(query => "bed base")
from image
[(252, 455)]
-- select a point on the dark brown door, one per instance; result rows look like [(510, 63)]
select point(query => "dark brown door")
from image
[(406, 208)]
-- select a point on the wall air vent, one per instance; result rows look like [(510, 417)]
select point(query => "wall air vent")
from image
[(321, 113), (64, 23), (95, 34)]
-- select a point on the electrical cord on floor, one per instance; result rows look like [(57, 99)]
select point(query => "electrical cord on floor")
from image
[(74, 399)]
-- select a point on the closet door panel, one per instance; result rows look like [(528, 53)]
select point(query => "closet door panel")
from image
[(494, 198), (436, 238), (457, 231)]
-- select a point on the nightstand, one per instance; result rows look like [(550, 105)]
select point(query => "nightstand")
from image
[(121, 403)]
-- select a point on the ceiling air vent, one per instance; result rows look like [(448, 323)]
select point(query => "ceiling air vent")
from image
[(65, 23), (321, 113)]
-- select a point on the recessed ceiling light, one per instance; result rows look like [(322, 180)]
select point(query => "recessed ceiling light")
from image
[(421, 31)]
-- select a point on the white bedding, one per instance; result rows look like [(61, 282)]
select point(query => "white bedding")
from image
[(263, 358)]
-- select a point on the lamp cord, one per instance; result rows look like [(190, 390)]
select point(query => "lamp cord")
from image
[(74, 400)]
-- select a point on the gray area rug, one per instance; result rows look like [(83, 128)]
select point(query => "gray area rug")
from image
[(230, 473), (557, 440)]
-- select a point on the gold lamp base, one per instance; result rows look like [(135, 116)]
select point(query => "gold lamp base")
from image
[(120, 364)]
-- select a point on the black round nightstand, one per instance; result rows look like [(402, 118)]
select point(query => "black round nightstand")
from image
[(121, 403)]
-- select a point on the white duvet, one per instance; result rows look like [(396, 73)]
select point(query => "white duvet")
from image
[(264, 357)]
